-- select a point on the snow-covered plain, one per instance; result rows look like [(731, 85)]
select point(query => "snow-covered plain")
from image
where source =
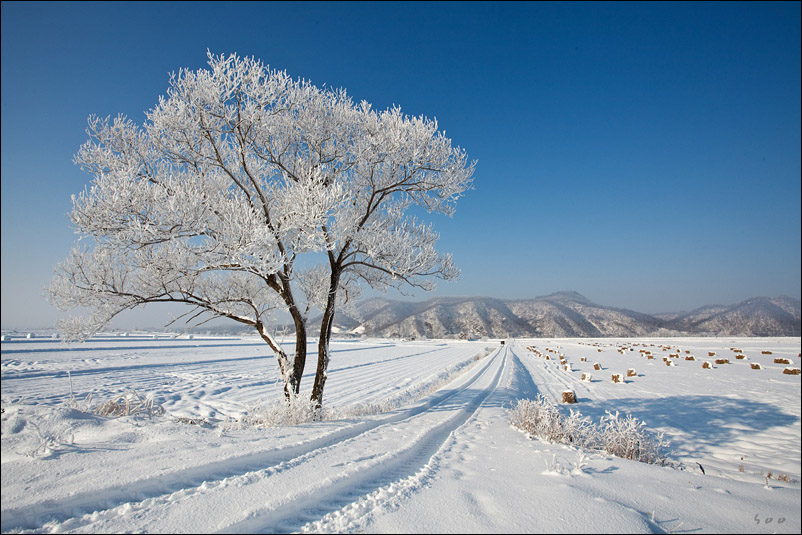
[(423, 443)]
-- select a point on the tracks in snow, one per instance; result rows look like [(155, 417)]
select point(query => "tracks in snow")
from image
[(319, 481)]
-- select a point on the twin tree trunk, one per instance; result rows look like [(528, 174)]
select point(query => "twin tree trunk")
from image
[(292, 377)]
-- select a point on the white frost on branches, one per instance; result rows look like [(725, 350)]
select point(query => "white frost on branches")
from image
[(236, 172)]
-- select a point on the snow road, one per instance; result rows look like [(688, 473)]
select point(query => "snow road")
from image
[(449, 462)]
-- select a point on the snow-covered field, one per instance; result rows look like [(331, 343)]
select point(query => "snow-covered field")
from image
[(423, 441)]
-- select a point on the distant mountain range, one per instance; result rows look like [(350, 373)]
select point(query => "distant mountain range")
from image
[(562, 315)]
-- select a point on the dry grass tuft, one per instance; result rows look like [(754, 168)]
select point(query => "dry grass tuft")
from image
[(131, 405)]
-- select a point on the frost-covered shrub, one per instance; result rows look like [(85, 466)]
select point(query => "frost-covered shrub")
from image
[(293, 411), (130, 405), (624, 437), (542, 419)]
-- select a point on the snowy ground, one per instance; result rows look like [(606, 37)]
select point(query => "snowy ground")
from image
[(441, 457)]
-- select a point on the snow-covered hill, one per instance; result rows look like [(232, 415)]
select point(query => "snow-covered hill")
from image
[(563, 314)]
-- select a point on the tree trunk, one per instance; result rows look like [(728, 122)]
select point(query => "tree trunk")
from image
[(323, 342), (299, 362), (291, 369)]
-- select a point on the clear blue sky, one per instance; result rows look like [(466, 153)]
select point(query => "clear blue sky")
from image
[(644, 155)]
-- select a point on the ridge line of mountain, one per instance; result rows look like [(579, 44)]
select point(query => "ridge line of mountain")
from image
[(562, 314)]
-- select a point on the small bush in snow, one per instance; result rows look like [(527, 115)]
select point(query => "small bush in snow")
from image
[(624, 437), (131, 405), (296, 410), (627, 438)]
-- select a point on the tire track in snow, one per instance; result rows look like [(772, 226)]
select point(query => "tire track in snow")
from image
[(82, 510), (393, 471)]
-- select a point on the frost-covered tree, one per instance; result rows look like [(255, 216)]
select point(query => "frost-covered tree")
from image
[(235, 175), (209, 203)]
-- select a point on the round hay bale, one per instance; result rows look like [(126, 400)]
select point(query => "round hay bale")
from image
[(631, 372), (755, 366), (587, 377), (569, 397), (707, 366), (617, 378), (597, 366), (792, 371)]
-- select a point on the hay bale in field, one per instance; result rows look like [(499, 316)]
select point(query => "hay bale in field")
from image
[(792, 371), (766, 352), (722, 361), (587, 377), (617, 378), (782, 361), (755, 366), (583, 359), (650, 357), (569, 397), (632, 373), (740, 357), (670, 363), (690, 357), (711, 353), (597, 366), (707, 366)]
